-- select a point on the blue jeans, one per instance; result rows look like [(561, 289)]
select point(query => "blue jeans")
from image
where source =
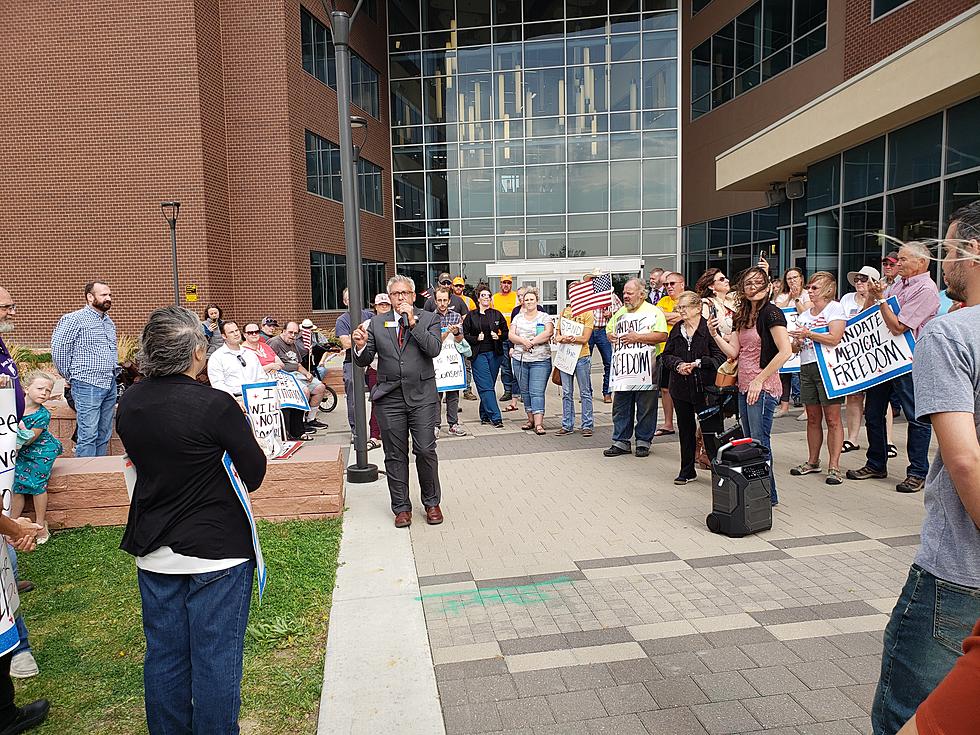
[(506, 375), (923, 639), (195, 637), (94, 411), (756, 422), (485, 367), (630, 405), (24, 644), (532, 377), (582, 376), (876, 401), (600, 339)]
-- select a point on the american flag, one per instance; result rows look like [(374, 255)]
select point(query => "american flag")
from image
[(428, 292), (595, 293)]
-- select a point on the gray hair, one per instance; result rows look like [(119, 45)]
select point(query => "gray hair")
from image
[(398, 278), (169, 340), (640, 284), (917, 250)]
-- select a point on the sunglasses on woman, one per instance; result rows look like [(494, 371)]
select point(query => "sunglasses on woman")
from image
[(861, 279)]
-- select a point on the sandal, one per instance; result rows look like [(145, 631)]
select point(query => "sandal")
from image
[(834, 476), (892, 451), (663, 432), (373, 444), (586, 432), (849, 447), (528, 426), (540, 430), (804, 469), (307, 437), (509, 408)]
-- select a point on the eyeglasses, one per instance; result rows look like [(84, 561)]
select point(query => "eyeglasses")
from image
[(8, 307), (861, 279), (251, 331), (673, 283), (721, 279), (889, 262), (814, 287), (399, 294), (445, 283)]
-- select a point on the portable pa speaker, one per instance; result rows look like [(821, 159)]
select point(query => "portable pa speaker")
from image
[(740, 489)]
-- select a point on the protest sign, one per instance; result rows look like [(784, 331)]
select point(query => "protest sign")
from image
[(632, 365), (792, 365), (450, 367), (566, 356), (241, 492), (8, 444), (262, 408), (868, 354), (291, 394), (9, 602)]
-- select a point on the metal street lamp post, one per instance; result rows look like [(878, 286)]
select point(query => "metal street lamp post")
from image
[(340, 23), (170, 211)]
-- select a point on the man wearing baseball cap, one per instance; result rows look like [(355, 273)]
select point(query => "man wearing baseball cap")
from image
[(382, 304), (455, 302), (889, 267), (459, 283), (268, 329)]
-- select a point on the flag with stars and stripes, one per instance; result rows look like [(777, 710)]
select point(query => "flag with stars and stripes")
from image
[(595, 293)]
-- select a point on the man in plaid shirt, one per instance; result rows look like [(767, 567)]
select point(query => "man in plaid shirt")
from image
[(599, 339), (452, 328), (84, 350)]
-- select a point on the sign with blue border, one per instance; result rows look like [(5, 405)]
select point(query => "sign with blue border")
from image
[(450, 367), (868, 355), (792, 365), (291, 393), (241, 492)]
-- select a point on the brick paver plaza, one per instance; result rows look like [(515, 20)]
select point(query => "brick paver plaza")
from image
[(570, 593)]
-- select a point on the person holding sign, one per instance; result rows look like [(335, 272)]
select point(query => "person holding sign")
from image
[(918, 301), (451, 324), (405, 396), (760, 343), (574, 336), (637, 332), (792, 295), (231, 366), (191, 536), (824, 314)]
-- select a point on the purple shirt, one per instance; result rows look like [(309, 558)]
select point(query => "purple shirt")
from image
[(918, 300), (9, 367)]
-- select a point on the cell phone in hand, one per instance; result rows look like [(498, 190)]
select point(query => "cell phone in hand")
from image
[(712, 311)]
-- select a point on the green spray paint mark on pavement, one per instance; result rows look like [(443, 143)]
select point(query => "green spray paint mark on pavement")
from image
[(523, 595)]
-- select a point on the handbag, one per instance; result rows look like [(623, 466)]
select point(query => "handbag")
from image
[(556, 376), (727, 374)]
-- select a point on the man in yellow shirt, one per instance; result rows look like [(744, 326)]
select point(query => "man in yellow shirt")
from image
[(674, 284), (458, 284), (505, 301)]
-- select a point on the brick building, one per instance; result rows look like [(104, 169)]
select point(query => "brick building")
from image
[(109, 110), (811, 126)]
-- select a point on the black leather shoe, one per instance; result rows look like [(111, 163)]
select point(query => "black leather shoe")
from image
[(28, 717), (615, 451), (642, 452), (316, 424)]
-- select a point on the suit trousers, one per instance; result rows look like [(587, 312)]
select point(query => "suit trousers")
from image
[(397, 420)]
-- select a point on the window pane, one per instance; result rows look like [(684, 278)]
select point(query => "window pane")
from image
[(740, 227), (510, 191), (476, 194), (961, 191), (472, 13), (659, 242), (624, 87), (809, 14), (591, 190), (810, 44), (748, 38), (405, 65), (697, 237), (545, 190), (822, 246), (659, 84), (544, 53), (437, 15), (823, 184), (864, 170), (625, 47), (913, 214), (764, 223), (962, 140), (777, 63), (777, 25), (587, 89), (660, 45), (586, 50), (860, 244), (914, 152), (406, 102), (723, 55), (660, 183), (880, 7)]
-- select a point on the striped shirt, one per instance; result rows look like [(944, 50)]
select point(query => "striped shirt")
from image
[(599, 315), (83, 348)]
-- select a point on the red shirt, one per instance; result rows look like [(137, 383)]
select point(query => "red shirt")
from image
[(265, 353), (953, 708)]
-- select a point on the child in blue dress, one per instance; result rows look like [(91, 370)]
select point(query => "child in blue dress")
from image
[(36, 456)]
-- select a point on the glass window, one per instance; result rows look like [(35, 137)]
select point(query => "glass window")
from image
[(625, 47), (723, 55), (405, 65), (583, 8), (961, 191), (659, 218), (588, 244), (364, 85), (660, 45), (697, 237), (587, 89), (409, 195), (544, 53), (764, 223), (822, 242), (474, 53), (624, 242), (369, 179), (660, 183), (659, 84), (740, 228), (510, 247), (880, 7), (545, 190), (437, 15), (404, 15), (913, 214), (808, 15), (471, 13), (823, 184), (406, 102), (718, 233), (860, 245), (476, 194), (777, 25), (624, 86), (748, 38), (591, 190), (659, 242), (810, 44), (864, 170), (409, 251), (586, 50), (510, 191), (962, 140), (915, 151)]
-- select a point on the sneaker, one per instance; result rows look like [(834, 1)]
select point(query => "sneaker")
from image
[(563, 431), (683, 480), (801, 417), (642, 452), (804, 469), (615, 451), (506, 396), (484, 422), (457, 430), (865, 473), (316, 424), (23, 665), (834, 476), (468, 395), (498, 424), (912, 484)]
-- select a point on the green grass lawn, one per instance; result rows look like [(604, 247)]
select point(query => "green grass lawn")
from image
[(85, 628)]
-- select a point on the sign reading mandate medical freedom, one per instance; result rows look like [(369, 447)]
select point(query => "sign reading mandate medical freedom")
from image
[(867, 355), (450, 367), (632, 365)]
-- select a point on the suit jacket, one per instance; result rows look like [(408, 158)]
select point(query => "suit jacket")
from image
[(410, 367)]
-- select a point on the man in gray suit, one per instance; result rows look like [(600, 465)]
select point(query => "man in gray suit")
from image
[(405, 342)]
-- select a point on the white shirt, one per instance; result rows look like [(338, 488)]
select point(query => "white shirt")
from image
[(850, 305), (167, 561), (832, 312), (226, 371)]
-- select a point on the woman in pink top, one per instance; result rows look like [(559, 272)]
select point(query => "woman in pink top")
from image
[(268, 359)]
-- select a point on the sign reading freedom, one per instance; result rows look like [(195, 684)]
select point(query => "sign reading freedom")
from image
[(632, 365), (868, 354)]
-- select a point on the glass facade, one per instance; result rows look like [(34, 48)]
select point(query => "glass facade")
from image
[(328, 277), (904, 184), (532, 130)]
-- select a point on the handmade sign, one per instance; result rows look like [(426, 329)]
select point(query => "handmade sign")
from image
[(263, 410), (792, 365), (450, 367), (291, 394), (241, 492), (566, 356), (867, 355), (632, 365), (8, 444)]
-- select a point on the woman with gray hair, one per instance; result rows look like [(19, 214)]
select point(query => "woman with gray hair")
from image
[(187, 529)]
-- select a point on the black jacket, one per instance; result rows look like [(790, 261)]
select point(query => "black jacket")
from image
[(176, 431), (690, 388), (492, 321)]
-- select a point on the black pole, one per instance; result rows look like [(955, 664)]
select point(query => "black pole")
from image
[(173, 247), (360, 471)]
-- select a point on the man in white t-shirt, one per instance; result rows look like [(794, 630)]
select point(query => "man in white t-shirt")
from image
[(230, 366)]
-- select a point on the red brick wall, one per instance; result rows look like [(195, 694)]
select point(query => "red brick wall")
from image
[(868, 42), (115, 108)]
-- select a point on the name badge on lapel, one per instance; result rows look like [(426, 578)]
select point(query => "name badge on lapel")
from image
[(390, 324)]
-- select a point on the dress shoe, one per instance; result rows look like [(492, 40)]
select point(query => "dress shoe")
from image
[(615, 451), (24, 585), (28, 717), (403, 519), (433, 516), (642, 452)]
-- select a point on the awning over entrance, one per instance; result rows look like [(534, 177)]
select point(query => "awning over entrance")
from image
[(936, 71)]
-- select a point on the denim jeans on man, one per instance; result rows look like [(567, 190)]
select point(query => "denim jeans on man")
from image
[(640, 406), (756, 422), (23, 644), (923, 639), (506, 374), (94, 411), (600, 339), (582, 376), (532, 379), (195, 634), (485, 367), (876, 402)]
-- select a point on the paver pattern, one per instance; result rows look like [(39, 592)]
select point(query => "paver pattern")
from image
[(571, 593)]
